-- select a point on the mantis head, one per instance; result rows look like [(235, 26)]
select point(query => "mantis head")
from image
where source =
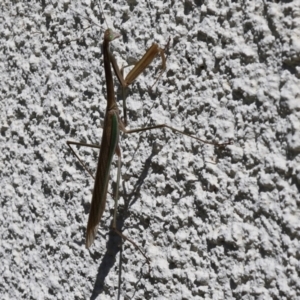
[(110, 35)]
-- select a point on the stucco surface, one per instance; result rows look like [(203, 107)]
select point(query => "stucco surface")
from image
[(217, 223)]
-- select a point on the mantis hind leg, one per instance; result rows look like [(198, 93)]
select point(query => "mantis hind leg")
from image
[(114, 224)]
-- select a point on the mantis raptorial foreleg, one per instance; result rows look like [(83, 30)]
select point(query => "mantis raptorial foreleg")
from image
[(139, 67)]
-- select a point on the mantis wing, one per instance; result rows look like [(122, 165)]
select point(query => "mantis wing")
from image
[(110, 139)]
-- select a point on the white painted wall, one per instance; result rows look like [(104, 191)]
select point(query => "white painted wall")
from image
[(216, 223)]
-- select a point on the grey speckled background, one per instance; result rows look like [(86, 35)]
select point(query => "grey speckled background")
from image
[(216, 223)]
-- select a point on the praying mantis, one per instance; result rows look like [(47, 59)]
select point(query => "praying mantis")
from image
[(111, 132)]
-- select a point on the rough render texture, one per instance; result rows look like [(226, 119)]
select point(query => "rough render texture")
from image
[(217, 223)]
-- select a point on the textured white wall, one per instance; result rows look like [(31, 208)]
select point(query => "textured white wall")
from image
[(216, 223)]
